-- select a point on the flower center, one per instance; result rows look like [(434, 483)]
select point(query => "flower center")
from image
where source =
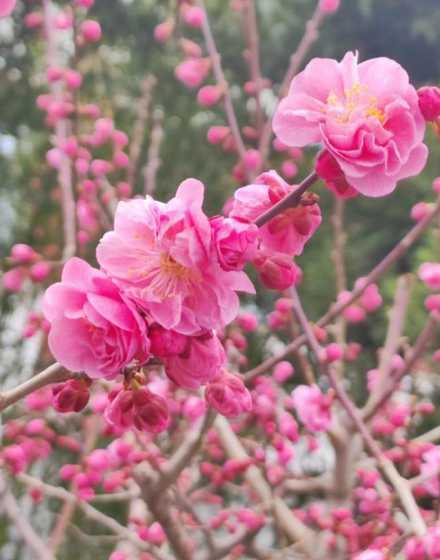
[(172, 268), (356, 103)]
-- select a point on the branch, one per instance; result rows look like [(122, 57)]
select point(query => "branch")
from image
[(153, 160), (400, 485), (296, 60), (422, 341), (53, 374), (221, 80), (384, 265), (19, 521), (289, 201), (294, 529)]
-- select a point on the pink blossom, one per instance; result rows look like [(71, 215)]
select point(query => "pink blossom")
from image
[(429, 273), (277, 271), (198, 364), (163, 258), (140, 408), (163, 31), (40, 271), (290, 230), (228, 395), (91, 31), (235, 242), (429, 102), (7, 7), (166, 342), (71, 396), (193, 16), (93, 327), (283, 371), (420, 210), (367, 116), (329, 6), (208, 96), (13, 279), (192, 72), (312, 407), (22, 253)]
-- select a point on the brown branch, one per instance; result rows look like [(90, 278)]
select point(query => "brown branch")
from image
[(296, 60), (422, 341), (21, 524), (399, 484), (384, 265), (53, 374), (153, 158), (221, 80), (140, 124)]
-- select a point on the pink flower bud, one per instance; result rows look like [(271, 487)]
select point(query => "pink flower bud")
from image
[(119, 138), (68, 472), (217, 134), (22, 253), (247, 321), (289, 169), (429, 102), (283, 371), (420, 210), (328, 169), (33, 20), (329, 6), (193, 71), (15, 458), (277, 271), (235, 242), (7, 7), (429, 273), (208, 96), (252, 160), (72, 79), (124, 189), (432, 303), (100, 167), (70, 396), (193, 16), (163, 31), (40, 271), (140, 408), (84, 3), (228, 395), (120, 160), (91, 31), (13, 279), (333, 352), (54, 158), (54, 74), (63, 21)]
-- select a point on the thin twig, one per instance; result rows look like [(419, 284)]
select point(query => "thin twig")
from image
[(153, 158)]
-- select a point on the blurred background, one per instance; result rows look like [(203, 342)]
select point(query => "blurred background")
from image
[(405, 30)]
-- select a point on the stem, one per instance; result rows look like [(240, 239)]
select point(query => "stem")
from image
[(221, 80), (394, 255), (289, 201), (52, 374), (153, 161), (253, 57), (296, 59)]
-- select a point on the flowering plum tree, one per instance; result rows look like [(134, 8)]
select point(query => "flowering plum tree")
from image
[(155, 401)]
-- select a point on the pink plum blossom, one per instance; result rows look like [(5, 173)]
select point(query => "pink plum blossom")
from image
[(289, 231), (139, 407), (192, 72), (94, 328), (235, 242), (162, 257), (228, 395), (198, 364), (429, 102), (366, 115), (312, 407)]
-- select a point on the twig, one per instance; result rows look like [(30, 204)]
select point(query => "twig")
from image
[(297, 58), (384, 265), (53, 374), (295, 530), (289, 201), (153, 160), (419, 347), (400, 485), (140, 124), (221, 80), (19, 521)]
